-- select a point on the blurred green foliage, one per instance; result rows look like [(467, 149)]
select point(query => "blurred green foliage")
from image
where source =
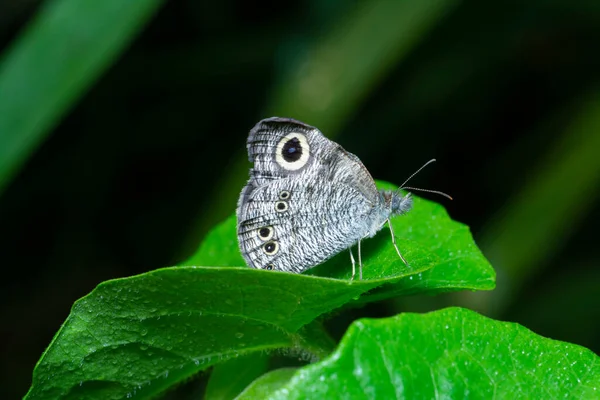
[(113, 165), (58, 56)]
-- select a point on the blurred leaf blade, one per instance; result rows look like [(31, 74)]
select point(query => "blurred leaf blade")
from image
[(451, 353), (561, 190), (60, 53), (329, 81)]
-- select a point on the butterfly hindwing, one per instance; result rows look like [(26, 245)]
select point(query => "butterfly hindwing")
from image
[(309, 226)]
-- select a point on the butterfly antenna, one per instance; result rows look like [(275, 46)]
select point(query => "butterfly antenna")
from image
[(416, 172), (419, 189), (429, 191)]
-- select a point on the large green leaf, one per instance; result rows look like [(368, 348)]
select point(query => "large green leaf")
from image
[(440, 252), (53, 61), (450, 354), (141, 335)]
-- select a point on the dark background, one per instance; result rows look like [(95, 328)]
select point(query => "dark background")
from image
[(154, 153)]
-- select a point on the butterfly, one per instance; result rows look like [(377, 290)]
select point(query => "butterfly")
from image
[(307, 199)]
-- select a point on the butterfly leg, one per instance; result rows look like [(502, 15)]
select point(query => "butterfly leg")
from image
[(359, 261), (389, 221), (353, 263)]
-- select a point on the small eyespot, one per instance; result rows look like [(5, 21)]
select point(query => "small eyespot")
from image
[(265, 233), (270, 267), (284, 195), (281, 206), (292, 151), (271, 248)]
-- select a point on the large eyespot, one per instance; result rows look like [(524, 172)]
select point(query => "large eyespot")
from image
[(271, 248), (284, 195), (281, 206), (292, 151), (265, 233)]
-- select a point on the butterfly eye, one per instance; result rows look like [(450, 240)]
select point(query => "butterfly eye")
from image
[(292, 151), (281, 206), (265, 233), (271, 248), (284, 195), (270, 267)]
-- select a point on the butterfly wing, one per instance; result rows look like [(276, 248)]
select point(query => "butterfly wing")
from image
[(306, 200)]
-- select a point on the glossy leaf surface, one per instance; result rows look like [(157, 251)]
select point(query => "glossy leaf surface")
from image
[(453, 353)]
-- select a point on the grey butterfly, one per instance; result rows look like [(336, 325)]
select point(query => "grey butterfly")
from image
[(307, 199)]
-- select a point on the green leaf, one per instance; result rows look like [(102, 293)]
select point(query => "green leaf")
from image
[(440, 252), (452, 353), (53, 61), (267, 384), (141, 335), (230, 378)]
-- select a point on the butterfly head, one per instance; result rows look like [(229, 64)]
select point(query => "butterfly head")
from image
[(396, 203), (399, 203)]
